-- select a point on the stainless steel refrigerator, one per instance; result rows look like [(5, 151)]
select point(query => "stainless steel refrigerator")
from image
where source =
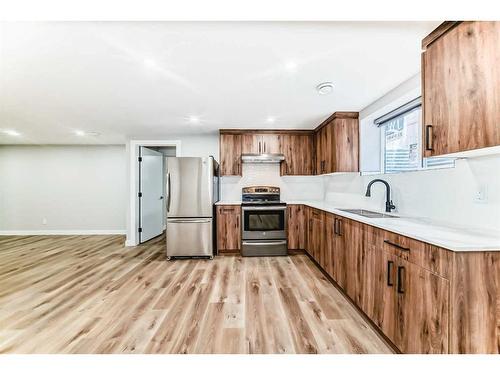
[(192, 188)]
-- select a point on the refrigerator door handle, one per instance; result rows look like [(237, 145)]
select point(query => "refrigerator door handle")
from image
[(169, 195), (189, 220)]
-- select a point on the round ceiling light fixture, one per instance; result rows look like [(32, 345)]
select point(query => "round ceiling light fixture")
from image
[(325, 88)]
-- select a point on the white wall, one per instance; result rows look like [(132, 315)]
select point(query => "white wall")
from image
[(292, 187), (77, 189)]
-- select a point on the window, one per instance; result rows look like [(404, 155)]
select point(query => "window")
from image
[(401, 141)]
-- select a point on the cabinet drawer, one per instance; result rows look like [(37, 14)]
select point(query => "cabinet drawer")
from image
[(315, 213), (429, 257)]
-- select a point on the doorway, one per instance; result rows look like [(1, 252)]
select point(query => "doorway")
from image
[(147, 196)]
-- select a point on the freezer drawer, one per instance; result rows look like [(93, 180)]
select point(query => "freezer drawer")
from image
[(189, 237), (264, 248)]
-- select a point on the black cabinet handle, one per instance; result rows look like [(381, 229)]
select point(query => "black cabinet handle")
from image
[(335, 226), (397, 246), (390, 264), (428, 138), (339, 231), (401, 279)]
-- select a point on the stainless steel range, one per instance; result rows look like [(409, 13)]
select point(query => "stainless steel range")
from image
[(264, 222)]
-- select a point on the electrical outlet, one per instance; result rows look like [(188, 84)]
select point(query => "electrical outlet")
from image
[(481, 194), (44, 221)]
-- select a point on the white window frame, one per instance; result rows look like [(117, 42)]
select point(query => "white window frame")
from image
[(423, 160)]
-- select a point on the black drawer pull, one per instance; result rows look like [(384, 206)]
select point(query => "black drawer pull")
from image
[(228, 210), (401, 279), (397, 246), (339, 227), (390, 264), (335, 223)]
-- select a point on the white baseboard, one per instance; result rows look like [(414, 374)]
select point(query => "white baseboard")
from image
[(64, 232)]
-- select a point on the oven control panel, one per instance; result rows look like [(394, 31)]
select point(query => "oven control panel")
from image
[(261, 190)]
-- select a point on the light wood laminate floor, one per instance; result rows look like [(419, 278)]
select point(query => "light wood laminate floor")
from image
[(90, 294)]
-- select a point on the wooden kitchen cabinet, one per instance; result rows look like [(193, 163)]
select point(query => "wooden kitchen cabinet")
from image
[(339, 254), (228, 228), (298, 150), (329, 244), (346, 141), (230, 154), (337, 144), (315, 233), (461, 87), (297, 226), (421, 315), (423, 298), (271, 143), (261, 143), (251, 143)]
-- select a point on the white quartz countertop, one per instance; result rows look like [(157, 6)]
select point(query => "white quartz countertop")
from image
[(422, 229), (228, 203)]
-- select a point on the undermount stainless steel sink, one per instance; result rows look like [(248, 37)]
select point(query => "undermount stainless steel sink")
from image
[(367, 213)]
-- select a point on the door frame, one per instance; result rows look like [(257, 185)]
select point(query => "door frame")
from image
[(132, 151)]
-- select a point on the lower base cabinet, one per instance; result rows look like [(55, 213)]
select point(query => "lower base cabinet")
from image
[(228, 228), (405, 286)]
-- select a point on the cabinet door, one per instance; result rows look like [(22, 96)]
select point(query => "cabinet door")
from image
[(328, 148), (230, 154), (422, 311), (319, 145), (339, 253), (316, 220), (228, 228), (271, 143), (346, 149), (296, 226), (329, 244), (383, 311), (298, 151), (356, 262), (251, 143), (461, 89)]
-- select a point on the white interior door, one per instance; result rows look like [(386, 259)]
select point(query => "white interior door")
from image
[(151, 200)]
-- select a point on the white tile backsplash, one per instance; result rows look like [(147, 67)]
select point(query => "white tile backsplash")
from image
[(292, 187)]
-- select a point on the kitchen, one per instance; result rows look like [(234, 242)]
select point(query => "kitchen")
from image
[(370, 228)]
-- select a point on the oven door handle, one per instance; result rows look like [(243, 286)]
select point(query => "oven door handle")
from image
[(264, 243), (263, 208)]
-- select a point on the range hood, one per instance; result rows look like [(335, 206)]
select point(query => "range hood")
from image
[(262, 158)]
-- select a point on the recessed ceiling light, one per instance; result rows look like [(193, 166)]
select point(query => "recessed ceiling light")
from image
[(270, 120), (194, 119), (325, 88), (150, 63), (12, 133), (291, 66), (81, 133)]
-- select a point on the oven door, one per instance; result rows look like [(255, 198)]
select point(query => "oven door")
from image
[(264, 222)]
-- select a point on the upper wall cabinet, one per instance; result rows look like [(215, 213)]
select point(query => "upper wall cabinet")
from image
[(332, 147), (299, 154), (256, 143), (230, 154), (296, 145), (337, 144), (461, 87)]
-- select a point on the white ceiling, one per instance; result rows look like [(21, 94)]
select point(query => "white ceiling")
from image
[(146, 79)]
